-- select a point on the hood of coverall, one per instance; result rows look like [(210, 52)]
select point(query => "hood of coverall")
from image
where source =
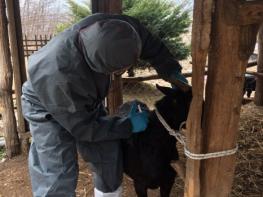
[(110, 45)]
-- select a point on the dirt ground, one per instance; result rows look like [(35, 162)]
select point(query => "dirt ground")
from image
[(248, 181)]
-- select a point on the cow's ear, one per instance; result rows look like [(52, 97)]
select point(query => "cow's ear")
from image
[(167, 90)]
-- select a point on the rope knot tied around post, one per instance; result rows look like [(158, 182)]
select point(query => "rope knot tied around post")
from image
[(182, 139)]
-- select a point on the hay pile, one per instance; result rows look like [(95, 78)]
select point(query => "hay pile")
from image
[(249, 169), (248, 179)]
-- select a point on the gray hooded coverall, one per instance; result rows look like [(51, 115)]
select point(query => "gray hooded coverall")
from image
[(62, 101)]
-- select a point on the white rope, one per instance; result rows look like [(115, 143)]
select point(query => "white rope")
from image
[(181, 138), (210, 155)]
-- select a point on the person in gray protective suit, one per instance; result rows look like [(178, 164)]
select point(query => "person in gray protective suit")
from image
[(62, 101)]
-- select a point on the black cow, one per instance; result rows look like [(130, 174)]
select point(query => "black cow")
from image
[(249, 85), (148, 155)]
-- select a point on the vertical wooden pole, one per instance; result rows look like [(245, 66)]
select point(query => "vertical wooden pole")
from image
[(200, 45), (115, 98), (26, 46), (17, 74), (115, 94), (6, 77), (19, 39), (230, 49), (106, 6), (259, 87), (36, 42)]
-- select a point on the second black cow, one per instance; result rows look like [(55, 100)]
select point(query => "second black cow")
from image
[(249, 85)]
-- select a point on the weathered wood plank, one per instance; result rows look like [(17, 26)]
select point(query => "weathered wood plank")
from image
[(188, 74), (114, 99), (257, 74), (241, 12), (230, 49), (19, 36), (17, 71), (107, 6), (150, 77), (200, 45), (259, 87), (250, 12), (6, 77)]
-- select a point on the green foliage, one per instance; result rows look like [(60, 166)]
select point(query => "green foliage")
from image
[(78, 11), (128, 4), (162, 17), (2, 153), (62, 26)]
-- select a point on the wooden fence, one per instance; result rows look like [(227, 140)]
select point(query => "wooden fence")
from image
[(33, 44)]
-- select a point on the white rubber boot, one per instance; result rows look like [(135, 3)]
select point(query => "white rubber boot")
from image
[(117, 193)]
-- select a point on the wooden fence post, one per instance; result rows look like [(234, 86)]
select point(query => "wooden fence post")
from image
[(6, 77), (19, 37), (114, 98), (17, 73), (200, 45), (231, 46), (259, 87)]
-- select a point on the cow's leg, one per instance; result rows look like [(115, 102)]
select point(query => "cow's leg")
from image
[(140, 189), (249, 92), (166, 186)]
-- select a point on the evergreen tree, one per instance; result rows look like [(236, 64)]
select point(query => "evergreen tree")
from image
[(77, 12), (163, 18)]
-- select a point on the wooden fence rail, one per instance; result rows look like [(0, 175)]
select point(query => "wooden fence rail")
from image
[(33, 44), (186, 74)]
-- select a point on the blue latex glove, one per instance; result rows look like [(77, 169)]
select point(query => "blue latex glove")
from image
[(178, 75), (138, 119)]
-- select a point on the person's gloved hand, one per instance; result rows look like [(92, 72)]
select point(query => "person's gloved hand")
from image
[(138, 119), (178, 76)]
